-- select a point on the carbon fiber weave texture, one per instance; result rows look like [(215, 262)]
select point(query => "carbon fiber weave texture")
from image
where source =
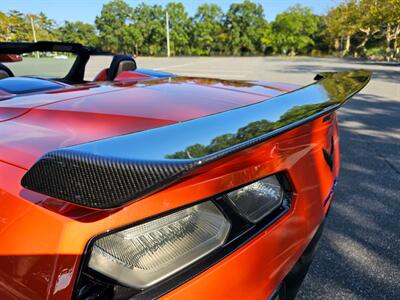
[(99, 182)]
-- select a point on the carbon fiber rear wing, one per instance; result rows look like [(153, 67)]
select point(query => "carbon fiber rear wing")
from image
[(111, 172)]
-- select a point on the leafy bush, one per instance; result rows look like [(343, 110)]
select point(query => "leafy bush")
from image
[(375, 53)]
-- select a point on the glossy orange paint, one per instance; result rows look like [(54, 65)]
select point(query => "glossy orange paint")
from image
[(43, 239), (38, 123), (257, 269)]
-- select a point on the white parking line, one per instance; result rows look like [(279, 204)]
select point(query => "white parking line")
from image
[(181, 65)]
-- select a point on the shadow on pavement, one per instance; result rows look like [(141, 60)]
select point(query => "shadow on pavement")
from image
[(391, 75), (359, 252)]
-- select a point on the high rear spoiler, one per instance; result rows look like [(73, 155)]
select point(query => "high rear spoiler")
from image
[(111, 172)]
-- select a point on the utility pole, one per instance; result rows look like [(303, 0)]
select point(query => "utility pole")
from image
[(34, 35), (167, 28)]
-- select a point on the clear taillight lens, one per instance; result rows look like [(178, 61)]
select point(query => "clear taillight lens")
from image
[(145, 254), (257, 200)]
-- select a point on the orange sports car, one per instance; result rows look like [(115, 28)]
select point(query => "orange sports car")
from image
[(142, 184)]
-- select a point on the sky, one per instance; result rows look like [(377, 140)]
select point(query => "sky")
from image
[(87, 10)]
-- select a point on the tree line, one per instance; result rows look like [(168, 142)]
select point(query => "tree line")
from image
[(360, 28)]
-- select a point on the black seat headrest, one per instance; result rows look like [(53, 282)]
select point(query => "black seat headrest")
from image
[(119, 64)]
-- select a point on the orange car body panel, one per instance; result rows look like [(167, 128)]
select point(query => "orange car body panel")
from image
[(44, 239)]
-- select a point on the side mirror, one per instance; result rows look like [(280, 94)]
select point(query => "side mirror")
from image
[(10, 58)]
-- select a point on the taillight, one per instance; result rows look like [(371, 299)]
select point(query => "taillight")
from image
[(258, 199), (145, 254)]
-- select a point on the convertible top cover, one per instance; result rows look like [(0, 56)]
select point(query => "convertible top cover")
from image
[(111, 172), (45, 46)]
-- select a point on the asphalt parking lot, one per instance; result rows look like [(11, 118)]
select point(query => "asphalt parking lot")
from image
[(359, 253)]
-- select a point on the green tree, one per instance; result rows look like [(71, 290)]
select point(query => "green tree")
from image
[(355, 23), (4, 27), (368, 14), (44, 26), (16, 26), (149, 22), (112, 24), (180, 27), (358, 27), (343, 22), (253, 129), (207, 30), (245, 26), (133, 39), (390, 24), (77, 32), (19, 28), (293, 30)]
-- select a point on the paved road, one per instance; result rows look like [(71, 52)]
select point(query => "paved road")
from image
[(359, 254)]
